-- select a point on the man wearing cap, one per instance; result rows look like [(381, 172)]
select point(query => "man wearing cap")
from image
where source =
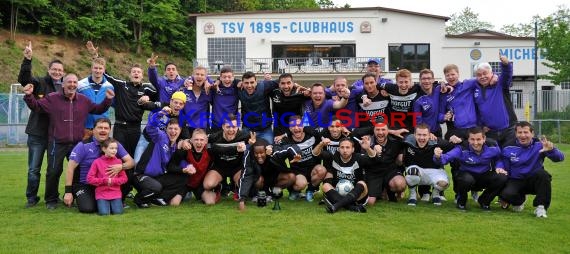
[(177, 102), (373, 66)]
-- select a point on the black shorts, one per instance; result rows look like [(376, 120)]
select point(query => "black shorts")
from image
[(377, 182)]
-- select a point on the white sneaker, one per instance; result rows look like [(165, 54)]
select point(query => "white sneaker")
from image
[(518, 208), (425, 197), (442, 198), (540, 212)]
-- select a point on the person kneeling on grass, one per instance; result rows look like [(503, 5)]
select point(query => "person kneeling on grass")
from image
[(476, 169), (154, 183), (421, 170), (345, 165), (82, 157), (265, 168), (107, 188), (195, 161), (524, 161)]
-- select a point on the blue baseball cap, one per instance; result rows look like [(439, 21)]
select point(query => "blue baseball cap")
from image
[(374, 60)]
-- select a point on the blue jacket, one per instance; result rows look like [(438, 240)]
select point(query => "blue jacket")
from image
[(494, 105), (522, 162), (428, 106), (165, 87), (85, 87), (471, 161), (196, 112), (461, 103), (162, 151)]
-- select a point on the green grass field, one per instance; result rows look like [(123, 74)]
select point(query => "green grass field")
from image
[(300, 227)]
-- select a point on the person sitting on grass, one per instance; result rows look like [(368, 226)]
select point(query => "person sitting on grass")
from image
[(107, 188), (196, 157), (524, 159), (347, 165), (80, 160)]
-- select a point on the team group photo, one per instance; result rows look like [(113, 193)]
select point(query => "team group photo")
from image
[(294, 128)]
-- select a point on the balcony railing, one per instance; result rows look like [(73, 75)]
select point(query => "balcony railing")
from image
[(289, 64)]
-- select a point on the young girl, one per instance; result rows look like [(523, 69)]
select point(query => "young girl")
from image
[(107, 188)]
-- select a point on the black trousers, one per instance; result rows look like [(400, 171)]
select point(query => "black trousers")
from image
[(164, 186), (128, 135), (84, 195), (540, 184), (506, 136), (57, 152), (492, 182)]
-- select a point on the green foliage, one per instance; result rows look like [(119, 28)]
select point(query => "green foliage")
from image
[(140, 26), (554, 36), (520, 29), (300, 227), (325, 4), (466, 21)]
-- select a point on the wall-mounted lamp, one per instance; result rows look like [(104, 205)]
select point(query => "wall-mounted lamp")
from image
[(477, 43), (384, 20)]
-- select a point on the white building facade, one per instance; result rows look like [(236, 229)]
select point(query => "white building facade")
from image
[(258, 40)]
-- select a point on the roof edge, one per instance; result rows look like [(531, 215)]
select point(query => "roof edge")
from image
[(195, 15)]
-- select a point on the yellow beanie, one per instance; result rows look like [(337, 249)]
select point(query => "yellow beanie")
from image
[(179, 95)]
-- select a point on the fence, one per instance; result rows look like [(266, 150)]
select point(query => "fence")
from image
[(14, 114), (289, 64)]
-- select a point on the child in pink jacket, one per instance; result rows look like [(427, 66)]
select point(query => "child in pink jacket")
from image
[(107, 187)]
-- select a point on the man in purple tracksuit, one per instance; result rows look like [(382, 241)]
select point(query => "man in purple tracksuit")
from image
[(167, 85), (458, 107), (80, 160), (476, 170), (67, 112), (339, 84), (428, 103), (225, 99), (524, 160), (495, 111), (318, 110)]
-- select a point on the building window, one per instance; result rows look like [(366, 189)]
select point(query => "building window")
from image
[(495, 66), (517, 98), (226, 51), (314, 50), (413, 57), (565, 85)]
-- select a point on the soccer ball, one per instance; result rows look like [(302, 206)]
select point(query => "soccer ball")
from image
[(344, 186)]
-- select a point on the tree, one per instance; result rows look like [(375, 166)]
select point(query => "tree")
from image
[(554, 38), (466, 21), (326, 4), (15, 6), (521, 29)]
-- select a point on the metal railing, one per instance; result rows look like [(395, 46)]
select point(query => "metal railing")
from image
[(289, 64)]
